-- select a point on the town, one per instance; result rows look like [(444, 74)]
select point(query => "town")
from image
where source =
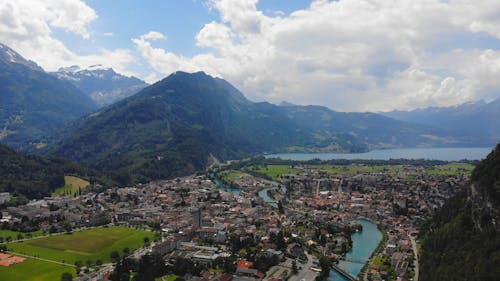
[(260, 221)]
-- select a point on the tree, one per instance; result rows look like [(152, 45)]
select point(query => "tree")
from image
[(295, 270), (114, 256), (146, 241), (126, 251), (66, 276)]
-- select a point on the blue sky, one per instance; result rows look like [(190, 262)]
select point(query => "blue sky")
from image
[(349, 55)]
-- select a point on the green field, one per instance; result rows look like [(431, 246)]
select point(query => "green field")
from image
[(13, 234), (170, 277), (72, 186), (92, 244), (34, 270), (229, 176), (354, 169), (274, 171), (452, 169)]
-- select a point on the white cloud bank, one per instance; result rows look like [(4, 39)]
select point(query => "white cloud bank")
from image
[(27, 27), (348, 54)]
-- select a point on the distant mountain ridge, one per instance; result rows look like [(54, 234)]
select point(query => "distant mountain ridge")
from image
[(103, 85), (172, 127), (34, 104), (479, 119)]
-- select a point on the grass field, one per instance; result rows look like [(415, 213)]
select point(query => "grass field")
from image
[(71, 187), (34, 270), (13, 234), (355, 169), (92, 244), (229, 176), (274, 171), (452, 169)]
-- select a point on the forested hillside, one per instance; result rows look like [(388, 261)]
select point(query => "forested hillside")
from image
[(463, 239)]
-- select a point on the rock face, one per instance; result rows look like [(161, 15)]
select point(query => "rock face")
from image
[(463, 238)]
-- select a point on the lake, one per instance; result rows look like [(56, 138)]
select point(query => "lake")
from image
[(444, 154), (363, 245)]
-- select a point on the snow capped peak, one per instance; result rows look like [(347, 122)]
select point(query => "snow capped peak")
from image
[(73, 68), (10, 56), (97, 67)]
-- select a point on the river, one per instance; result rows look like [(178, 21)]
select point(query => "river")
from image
[(363, 245), (444, 154), (219, 184)]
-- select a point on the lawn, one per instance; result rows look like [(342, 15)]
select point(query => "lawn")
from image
[(34, 270), (274, 171), (91, 244), (72, 186)]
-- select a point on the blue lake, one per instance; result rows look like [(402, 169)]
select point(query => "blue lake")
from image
[(444, 154), (363, 245)]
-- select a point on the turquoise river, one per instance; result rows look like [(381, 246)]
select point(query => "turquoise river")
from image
[(364, 243)]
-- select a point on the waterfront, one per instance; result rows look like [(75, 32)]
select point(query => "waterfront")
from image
[(363, 245), (444, 154)]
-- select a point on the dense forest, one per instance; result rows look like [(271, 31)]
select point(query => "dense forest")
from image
[(36, 177), (462, 240)]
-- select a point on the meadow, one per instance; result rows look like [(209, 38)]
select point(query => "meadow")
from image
[(35, 270), (72, 186), (87, 245)]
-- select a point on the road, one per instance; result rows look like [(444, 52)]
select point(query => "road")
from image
[(305, 274), (415, 253)]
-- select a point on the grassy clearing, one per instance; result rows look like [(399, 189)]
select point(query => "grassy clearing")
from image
[(170, 277), (91, 244), (34, 270), (274, 171), (72, 186)]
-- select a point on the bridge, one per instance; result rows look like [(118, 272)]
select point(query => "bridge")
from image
[(344, 273)]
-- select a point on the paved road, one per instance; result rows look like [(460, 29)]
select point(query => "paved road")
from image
[(305, 274), (415, 253)]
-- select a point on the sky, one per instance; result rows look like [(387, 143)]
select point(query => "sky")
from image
[(348, 55)]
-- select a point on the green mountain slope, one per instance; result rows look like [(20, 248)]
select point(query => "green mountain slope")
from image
[(171, 128), (35, 176), (463, 239), (33, 103)]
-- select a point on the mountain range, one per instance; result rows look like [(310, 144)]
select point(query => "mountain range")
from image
[(103, 85), (478, 120), (33, 104), (176, 125)]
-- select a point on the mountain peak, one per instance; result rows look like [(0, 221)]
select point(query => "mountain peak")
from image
[(8, 55)]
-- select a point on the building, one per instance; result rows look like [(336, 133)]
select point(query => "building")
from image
[(196, 215)]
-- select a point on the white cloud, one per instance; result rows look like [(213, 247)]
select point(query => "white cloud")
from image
[(27, 27), (153, 35), (348, 55)]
